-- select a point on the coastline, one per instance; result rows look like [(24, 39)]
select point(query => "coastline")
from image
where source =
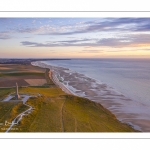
[(76, 82), (53, 77)]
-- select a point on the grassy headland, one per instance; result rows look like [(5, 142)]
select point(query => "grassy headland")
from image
[(54, 110)]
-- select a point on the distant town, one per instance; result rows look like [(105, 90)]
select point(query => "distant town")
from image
[(24, 61)]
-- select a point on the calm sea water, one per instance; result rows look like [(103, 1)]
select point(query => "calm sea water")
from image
[(131, 77)]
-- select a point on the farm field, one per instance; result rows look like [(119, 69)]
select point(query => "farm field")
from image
[(12, 73)]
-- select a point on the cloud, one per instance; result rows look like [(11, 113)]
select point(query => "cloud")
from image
[(27, 30), (4, 35), (70, 43), (133, 40), (100, 25), (27, 37), (35, 44), (92, 51), (75, 41), (27, 43), (110, 24)]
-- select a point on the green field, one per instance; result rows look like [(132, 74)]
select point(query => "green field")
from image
[(4, 92), (12, 73), (66, 113), (8, 111), (21, 74), (56, 111)]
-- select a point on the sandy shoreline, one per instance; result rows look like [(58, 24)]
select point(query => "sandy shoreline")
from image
[(127, 111)]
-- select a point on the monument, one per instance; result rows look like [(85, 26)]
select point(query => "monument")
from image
[(17, 95)]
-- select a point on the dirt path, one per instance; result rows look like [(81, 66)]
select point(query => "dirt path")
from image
[(62, 117)]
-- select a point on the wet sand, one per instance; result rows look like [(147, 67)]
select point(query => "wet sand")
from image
[(126, 110)]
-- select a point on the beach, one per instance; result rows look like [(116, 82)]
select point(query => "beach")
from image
[(52, 76), (126, 110)]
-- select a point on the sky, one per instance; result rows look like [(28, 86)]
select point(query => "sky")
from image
[(75, 37)]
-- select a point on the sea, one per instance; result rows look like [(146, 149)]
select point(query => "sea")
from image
[(128, 77)]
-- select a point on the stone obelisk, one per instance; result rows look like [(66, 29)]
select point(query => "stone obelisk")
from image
[(17, 95)]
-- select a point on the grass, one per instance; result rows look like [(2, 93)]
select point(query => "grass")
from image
[(4, 92), (20, 68), (45, 117), (8, 111), (56, 111), (88, 116), (21, 74), (59, 112), (52, 92)]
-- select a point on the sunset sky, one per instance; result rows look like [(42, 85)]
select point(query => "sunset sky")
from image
[(74, 37)]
